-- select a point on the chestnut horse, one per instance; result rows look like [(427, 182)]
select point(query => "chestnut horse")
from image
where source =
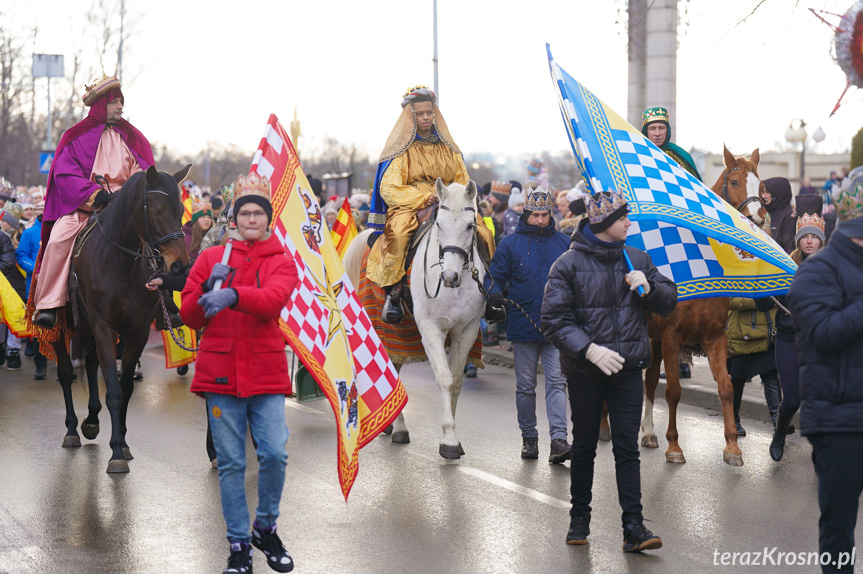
[(698, 325)]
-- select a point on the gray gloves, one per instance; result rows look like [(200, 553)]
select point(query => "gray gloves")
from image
[(608, 361), (220, 271), (215, 301)]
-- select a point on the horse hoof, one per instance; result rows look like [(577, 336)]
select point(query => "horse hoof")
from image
[(450, 452), (605, 435), (401, 437), (118, 466), (71, 441), (649, 440), (732, 459), (127, 453), (388, 430), (90, 431), (460, 449), (675, 457)]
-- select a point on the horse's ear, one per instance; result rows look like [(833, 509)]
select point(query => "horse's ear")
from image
[(152, 176), (439, 187), (729, 157), (755, 157), (470, 191), (181, 175)]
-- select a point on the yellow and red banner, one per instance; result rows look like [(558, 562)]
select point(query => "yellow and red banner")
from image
[(12, 309), (174, 355), (324, 323), (344, 228)]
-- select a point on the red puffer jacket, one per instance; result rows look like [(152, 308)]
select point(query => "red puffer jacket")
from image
[(242, 351)]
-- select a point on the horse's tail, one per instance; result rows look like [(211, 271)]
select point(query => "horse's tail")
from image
[(354, 255)]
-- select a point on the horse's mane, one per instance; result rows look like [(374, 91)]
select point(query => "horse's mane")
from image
[(126, 202)]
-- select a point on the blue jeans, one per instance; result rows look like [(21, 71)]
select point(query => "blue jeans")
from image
[(526, 355), (229, 417)]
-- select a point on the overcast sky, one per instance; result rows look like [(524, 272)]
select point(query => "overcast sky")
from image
[(214, 71)]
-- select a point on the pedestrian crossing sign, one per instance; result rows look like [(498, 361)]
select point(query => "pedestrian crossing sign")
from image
[(45, 160)]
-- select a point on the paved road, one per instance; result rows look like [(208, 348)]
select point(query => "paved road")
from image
[(410, 511)]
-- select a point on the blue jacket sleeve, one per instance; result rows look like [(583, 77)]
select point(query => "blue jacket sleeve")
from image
[(499, 270), (24, 252), (816, 305)]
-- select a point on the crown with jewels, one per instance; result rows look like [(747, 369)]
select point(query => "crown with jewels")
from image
[(227, 192), (848, 198), (538, 199), (99, 88), (601, 205), (657, 114), (252, 184), (810, 220), (201, 206)]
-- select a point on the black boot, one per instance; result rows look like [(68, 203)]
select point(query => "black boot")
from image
[(41, 363), (392, 311), (738, 398), (772, 394), (777, 445), (46, 318)]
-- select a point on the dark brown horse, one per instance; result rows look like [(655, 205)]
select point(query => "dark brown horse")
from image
[(698, 326), (136, 234)]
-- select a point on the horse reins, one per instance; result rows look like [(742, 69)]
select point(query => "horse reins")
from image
[(727, 197), (153, 245), (442, 250)]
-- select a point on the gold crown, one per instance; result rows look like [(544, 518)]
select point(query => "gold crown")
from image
[(199, 205), (252, 184), (99, 88), (848, 198), (601, 205), (810, 220), (501, 187), (227, 192), (657, 114), (538, 199), (415, 88)]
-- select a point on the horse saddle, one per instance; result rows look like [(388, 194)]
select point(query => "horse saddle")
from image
[(425, 217), (72, 284)]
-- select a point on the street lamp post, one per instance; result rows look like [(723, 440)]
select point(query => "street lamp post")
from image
[(798, 135)]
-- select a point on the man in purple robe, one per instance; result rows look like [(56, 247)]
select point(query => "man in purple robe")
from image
[(102, 144)]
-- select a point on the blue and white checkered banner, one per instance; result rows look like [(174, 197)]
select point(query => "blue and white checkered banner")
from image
[(694, 237)]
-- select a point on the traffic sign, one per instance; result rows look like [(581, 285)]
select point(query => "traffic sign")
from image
[(45, 160)]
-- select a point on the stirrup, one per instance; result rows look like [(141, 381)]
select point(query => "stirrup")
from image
[(46, 318)]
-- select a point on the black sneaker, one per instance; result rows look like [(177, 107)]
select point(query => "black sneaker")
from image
[(470, 371), (579, 528), (560, 451), (40, 373), (530, 448), (240, 560), (740, 430), (267, 541), (637, 538), (13, 360)]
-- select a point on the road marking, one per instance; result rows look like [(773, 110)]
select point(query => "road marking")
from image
[(504, 483), (517, 488), (295, 405), (470, 471)]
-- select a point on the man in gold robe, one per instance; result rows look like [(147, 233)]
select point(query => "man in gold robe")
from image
[(419, 150)]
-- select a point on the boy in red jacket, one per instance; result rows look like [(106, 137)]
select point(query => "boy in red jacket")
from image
[(242, 370)]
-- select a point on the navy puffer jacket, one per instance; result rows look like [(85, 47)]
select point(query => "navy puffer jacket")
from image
[(826, 300), (587, 300), (520, 268)]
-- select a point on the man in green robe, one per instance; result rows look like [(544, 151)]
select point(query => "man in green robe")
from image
[(655, 128)]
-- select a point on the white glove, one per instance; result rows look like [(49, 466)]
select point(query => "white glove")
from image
[(637, 279), (608, 361)]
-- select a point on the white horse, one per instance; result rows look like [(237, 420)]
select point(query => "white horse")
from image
[(447, 255)]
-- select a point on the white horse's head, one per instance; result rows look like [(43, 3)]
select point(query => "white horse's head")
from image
[(456, 227)]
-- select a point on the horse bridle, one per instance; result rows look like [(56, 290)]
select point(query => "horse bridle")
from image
[(727, 197), (442, 250), (155, 257)]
